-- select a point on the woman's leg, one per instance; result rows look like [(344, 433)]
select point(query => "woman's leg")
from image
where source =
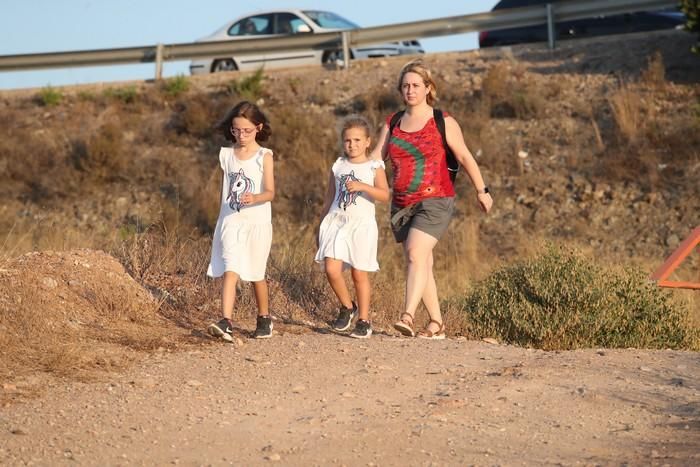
[(228, 293), (362, 289), (261, 297), (418, 249), (334, 273), (430, 298)]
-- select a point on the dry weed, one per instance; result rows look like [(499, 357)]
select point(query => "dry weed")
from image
[(654, 75), (626, 105)]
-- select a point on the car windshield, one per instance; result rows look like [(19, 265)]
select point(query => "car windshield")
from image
[(326, 19)]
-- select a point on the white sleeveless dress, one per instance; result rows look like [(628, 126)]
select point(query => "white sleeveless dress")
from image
[(243, 234), (348, 232)]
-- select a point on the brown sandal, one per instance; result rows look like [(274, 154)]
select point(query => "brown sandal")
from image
[(437, 335), (405, 327)]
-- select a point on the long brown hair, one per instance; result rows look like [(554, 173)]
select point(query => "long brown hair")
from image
[(250, 112)]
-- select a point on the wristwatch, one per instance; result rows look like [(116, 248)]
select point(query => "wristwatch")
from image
[(483, 192)]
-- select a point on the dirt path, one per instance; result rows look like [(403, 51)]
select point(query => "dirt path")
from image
[(321, 399)]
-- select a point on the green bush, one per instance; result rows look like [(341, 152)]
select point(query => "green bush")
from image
[(563, 300), (126, 95), (691, 8), (48, 97), (176, 86), (249, 87)]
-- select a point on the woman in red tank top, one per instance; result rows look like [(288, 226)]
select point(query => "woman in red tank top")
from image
[(423, 195)]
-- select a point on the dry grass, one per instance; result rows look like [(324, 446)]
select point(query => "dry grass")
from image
[(627, 108), (74, 313), (654, 76)]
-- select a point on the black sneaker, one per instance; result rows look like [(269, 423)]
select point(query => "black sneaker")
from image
[(263, 327), (362, 330), (222, 329), (345, 317)]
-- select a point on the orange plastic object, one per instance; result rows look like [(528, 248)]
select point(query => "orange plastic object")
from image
[(675, 260)]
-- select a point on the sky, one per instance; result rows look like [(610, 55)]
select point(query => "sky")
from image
[(39, 26)]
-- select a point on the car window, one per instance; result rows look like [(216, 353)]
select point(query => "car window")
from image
[(329, 20), (288, 23), (251, 26)]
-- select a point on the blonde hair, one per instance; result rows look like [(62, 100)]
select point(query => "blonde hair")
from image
[(418, 67), (354, 121)]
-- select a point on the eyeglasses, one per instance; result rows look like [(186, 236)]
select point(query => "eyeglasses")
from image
[(242, 131)]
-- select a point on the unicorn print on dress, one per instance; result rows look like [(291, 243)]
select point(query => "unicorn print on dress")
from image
[(345, 198), (238, 185)]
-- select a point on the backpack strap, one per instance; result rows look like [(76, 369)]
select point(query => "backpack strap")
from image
[(452, 164), (392, 124), (395, 121)]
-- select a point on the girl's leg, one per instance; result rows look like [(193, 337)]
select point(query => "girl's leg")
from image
[(418, 249), (228, 294), (262, 297), (263, 325), (362, 289), (334, 273), (430, 298)]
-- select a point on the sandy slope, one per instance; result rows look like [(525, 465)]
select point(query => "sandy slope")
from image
[(310, 398)]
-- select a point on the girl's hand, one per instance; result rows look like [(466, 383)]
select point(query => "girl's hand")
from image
[(485, 201), (353, 186), (248, 198)]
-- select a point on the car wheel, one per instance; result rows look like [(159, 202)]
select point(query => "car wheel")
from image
[(334, 58), (223, 65)]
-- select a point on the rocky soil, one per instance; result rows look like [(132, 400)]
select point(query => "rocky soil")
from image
[(314, 398)]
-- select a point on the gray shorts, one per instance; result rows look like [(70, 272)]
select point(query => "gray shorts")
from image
[(431, 216)]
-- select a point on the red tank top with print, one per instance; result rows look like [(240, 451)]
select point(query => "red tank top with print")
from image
[(419, 164)]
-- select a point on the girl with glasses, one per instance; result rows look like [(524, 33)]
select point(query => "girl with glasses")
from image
[(243, 233)]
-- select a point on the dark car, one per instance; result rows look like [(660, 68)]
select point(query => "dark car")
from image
[(588, 27)]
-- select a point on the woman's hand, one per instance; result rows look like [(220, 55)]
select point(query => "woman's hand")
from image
[(485, 201)]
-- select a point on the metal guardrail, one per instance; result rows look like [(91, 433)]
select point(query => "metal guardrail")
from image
[(500, 19)]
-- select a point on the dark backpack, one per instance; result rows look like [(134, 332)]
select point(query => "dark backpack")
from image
[(452, 164)]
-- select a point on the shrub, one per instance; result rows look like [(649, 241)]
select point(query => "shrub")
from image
[(510, 93), (626, 105), (102, 156), (48, 97), (175, 86), (562, 300), (691, 8), (126, 95), (249, 87), (655, 73)]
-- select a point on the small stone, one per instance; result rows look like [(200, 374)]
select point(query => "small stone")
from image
[(672, 240), (274, 457), (194, 383), (298, 389), (49, 283), (490, 340)]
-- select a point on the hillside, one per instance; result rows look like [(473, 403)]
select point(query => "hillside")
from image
[(109, 194)]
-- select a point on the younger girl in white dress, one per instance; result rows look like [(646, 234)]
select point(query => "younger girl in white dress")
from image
[(348, 232), (243, 233)]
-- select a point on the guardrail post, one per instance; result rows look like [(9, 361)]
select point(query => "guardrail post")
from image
[(550, 26), (159, 61), (346, 50)]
